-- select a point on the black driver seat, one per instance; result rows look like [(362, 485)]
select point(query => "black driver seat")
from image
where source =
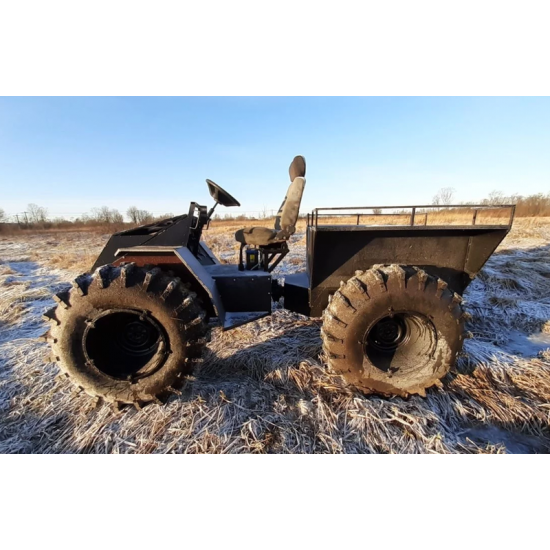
[(258, 236), (285, 222)]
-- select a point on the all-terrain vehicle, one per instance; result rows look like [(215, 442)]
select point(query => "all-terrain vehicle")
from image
[(131, 330)]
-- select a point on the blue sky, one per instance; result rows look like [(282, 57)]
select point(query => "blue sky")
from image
[(73, 154)]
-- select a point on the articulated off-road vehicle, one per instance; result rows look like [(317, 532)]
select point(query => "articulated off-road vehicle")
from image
[(390, 296)]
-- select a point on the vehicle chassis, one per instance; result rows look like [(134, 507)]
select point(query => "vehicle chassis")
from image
[(334, 252)]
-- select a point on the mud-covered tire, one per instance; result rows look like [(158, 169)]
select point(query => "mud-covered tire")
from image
[(393, 330), (162, 333)]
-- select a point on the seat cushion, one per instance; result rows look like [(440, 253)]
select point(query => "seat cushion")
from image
[(259, 236)]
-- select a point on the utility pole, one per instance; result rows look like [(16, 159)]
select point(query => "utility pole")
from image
[(17, 218)]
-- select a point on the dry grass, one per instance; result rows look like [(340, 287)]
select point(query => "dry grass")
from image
[(79, 261), (265, 387)]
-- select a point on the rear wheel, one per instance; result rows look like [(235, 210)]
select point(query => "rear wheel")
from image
[(127, 334), (393, 330)]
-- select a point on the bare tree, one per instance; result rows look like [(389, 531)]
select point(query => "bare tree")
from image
[(116, 216), (376, 211), (139, 216), (496, 197), (107, 215), (37, 214), (132, 213), (101, 215), (3, 217), (444, 196), (145, 216)]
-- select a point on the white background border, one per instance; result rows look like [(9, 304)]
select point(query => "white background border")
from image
[(274, 48), (396, 47)]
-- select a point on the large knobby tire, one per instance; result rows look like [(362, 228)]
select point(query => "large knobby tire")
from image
[(393, 330), (127, 334)]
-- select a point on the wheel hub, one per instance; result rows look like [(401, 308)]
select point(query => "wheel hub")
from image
[(400, 342), (388, 333), (125, 343), (137, 337)]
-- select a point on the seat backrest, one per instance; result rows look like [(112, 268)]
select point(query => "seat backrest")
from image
[(290, 209), (286, 219)]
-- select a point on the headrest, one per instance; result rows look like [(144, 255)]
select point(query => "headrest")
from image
[(297, 168)]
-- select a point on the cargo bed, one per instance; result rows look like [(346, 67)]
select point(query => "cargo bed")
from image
[(455, 252)]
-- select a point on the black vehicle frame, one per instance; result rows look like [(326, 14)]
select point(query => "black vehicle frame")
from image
[(334, 251)]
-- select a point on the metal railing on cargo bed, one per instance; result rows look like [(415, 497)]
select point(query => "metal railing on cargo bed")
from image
[(501, 215)]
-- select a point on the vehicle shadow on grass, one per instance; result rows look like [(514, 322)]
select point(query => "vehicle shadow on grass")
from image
[(287, 371)]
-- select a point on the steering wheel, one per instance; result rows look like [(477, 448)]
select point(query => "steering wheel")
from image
[(220, 195)]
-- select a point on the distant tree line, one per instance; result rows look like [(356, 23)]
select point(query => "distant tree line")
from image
[(36, 217), (529, 206)]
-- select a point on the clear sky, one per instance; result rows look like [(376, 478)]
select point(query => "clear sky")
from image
[(72, 154)]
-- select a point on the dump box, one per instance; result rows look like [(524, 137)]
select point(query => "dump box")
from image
[(451, 243)]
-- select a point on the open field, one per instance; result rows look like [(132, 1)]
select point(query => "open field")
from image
[(265, 387)]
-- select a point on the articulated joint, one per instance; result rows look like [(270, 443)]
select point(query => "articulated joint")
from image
[(277, 290)]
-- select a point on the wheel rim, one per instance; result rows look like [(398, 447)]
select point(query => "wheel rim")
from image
[(388, 334), (124, 343), (400, 343)]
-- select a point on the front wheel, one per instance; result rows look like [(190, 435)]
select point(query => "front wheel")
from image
[(127, 334), (393, 330)]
